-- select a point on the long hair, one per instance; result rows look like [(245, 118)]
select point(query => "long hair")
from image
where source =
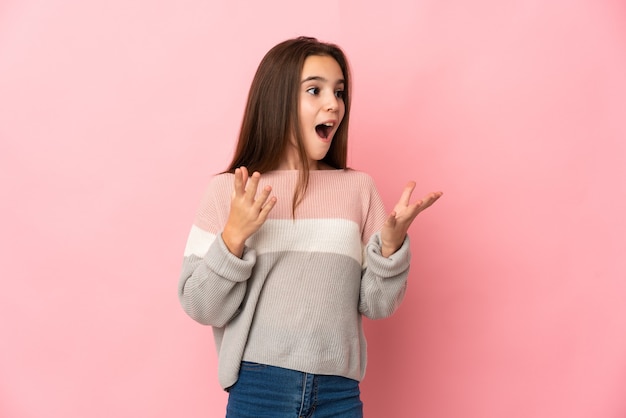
[(271, 115)]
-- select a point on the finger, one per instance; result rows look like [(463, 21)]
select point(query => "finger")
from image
[(408, 215), (391, 220), (405, 198), (265, 210), (239, 184), (252, 185), (244, 177), (262, 198), (428, 200)]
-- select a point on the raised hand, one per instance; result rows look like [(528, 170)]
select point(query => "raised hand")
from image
[(397, 224), (247, 210)]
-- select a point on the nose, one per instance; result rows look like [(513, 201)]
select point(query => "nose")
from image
[(332, 103)]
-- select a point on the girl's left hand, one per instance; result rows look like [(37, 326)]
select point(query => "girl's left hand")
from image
[(397, 224)]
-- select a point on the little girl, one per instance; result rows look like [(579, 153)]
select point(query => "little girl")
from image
[(284, 264)]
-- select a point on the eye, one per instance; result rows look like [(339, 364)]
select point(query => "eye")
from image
[(313, 90), (339, 94)]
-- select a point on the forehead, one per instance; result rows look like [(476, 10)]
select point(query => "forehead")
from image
[(322, 66)]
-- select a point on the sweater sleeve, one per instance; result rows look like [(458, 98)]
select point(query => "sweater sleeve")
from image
[(384, 279), (212, 283)]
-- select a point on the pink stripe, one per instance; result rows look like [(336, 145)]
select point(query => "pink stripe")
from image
[(342, 194)]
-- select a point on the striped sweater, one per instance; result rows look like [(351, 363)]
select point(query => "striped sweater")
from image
[(296, 297)]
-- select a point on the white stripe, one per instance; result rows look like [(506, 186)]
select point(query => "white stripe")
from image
[(338, 236), (198, 242)]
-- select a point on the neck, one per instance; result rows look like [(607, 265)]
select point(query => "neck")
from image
[(291, 161)]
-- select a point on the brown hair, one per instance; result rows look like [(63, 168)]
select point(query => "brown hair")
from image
[(271, 115)]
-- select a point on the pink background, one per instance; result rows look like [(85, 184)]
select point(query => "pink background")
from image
[(115, 113)]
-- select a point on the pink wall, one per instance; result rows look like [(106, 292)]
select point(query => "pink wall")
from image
[(113, 115)]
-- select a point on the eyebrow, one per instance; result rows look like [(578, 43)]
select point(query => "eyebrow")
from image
[(322, 79)]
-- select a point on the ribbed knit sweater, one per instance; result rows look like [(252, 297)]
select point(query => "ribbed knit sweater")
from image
[(295, 297)]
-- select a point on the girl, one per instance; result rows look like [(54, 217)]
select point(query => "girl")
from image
[(283, 265)]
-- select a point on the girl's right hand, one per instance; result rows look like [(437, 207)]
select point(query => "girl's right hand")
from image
[(247, 213)]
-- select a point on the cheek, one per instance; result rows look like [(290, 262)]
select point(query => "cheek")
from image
[(306, 111), (342, 111)]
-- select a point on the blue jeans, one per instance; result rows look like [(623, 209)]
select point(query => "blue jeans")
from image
[(264, 391)]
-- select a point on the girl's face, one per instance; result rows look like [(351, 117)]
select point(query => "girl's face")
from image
[(321, 108)]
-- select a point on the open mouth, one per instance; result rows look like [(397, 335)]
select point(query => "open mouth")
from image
[(324, 129)]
